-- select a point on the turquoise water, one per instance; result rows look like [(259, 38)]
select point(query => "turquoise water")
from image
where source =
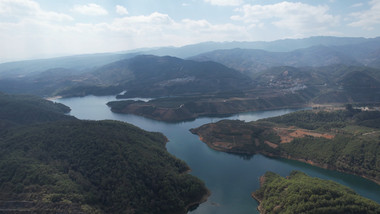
[(230, 178)]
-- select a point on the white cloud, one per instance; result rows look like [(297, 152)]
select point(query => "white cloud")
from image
[(225, 2), (368, 18), (90, 9), (28, 30), (357, 5), (297, 17), (27, 9), (142, 22), (121, 10)]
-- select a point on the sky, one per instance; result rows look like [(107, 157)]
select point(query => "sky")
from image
[(31, 29)]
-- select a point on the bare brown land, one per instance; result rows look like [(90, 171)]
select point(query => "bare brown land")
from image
[(287, 135)]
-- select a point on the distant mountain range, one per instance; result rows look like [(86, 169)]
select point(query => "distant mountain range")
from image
[(284, 45), (75, 64), (86, 62), (330, 84), (153, 76), (254, 60), (324, 70)]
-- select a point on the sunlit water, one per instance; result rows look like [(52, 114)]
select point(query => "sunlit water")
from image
[(230, 178)]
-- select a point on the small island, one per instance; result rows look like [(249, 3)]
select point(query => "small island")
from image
[(343, 140), (299, 193), (187, 108)]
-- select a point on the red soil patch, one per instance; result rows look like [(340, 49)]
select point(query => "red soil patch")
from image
[(271, 144), (288, 134)]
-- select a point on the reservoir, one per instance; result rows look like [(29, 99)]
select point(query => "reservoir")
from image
[(230, 178)]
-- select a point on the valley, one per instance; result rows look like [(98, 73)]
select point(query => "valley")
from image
[(189, 107), (54, 162)]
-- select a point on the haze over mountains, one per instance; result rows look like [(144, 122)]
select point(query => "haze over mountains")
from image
[(323, 54), (207, 79), (322, 65), (81, 62)]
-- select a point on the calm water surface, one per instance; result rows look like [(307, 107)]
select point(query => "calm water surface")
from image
[(231, 178)]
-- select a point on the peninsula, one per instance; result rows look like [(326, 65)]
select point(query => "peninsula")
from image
[(343, 140)]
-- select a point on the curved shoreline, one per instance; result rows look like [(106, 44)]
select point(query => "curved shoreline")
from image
[(254, 196), (181, 112), (199, 202), (285, 156)]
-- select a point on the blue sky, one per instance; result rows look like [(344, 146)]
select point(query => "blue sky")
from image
[(47, 28)]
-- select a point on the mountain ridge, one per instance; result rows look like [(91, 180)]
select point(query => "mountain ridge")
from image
[(155, 76), (251, 61), (24, 67)]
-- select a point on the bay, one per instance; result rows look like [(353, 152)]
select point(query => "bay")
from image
[(230, 178)]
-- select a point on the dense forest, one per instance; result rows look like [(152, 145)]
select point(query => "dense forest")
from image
[(89, 167), (344, 140), (175, 109), (26, 109), (299, 193), (274, 88), (51, 162)]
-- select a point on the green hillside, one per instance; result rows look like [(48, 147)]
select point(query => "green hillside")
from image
[(299, 193), (346, 140), (26, 109), (106, 166), (153, 76), (53, 163)]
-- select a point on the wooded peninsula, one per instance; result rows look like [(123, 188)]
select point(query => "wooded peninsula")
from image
[(344, 140)]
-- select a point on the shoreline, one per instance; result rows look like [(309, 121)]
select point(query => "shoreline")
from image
[(259, 208), (254, 196), (288, 157), (203, 199), (179, 114)]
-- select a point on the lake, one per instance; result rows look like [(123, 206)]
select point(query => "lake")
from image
[(230, 178)]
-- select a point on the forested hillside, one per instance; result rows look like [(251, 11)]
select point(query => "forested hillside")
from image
[(106, 166), (53, 163), (153, 76), (299, 193), (346, 140), (25, 109)]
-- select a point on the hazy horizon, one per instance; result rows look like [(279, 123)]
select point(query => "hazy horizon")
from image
[(34, 29)]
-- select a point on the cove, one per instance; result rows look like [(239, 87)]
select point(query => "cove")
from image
[(230, 178)]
